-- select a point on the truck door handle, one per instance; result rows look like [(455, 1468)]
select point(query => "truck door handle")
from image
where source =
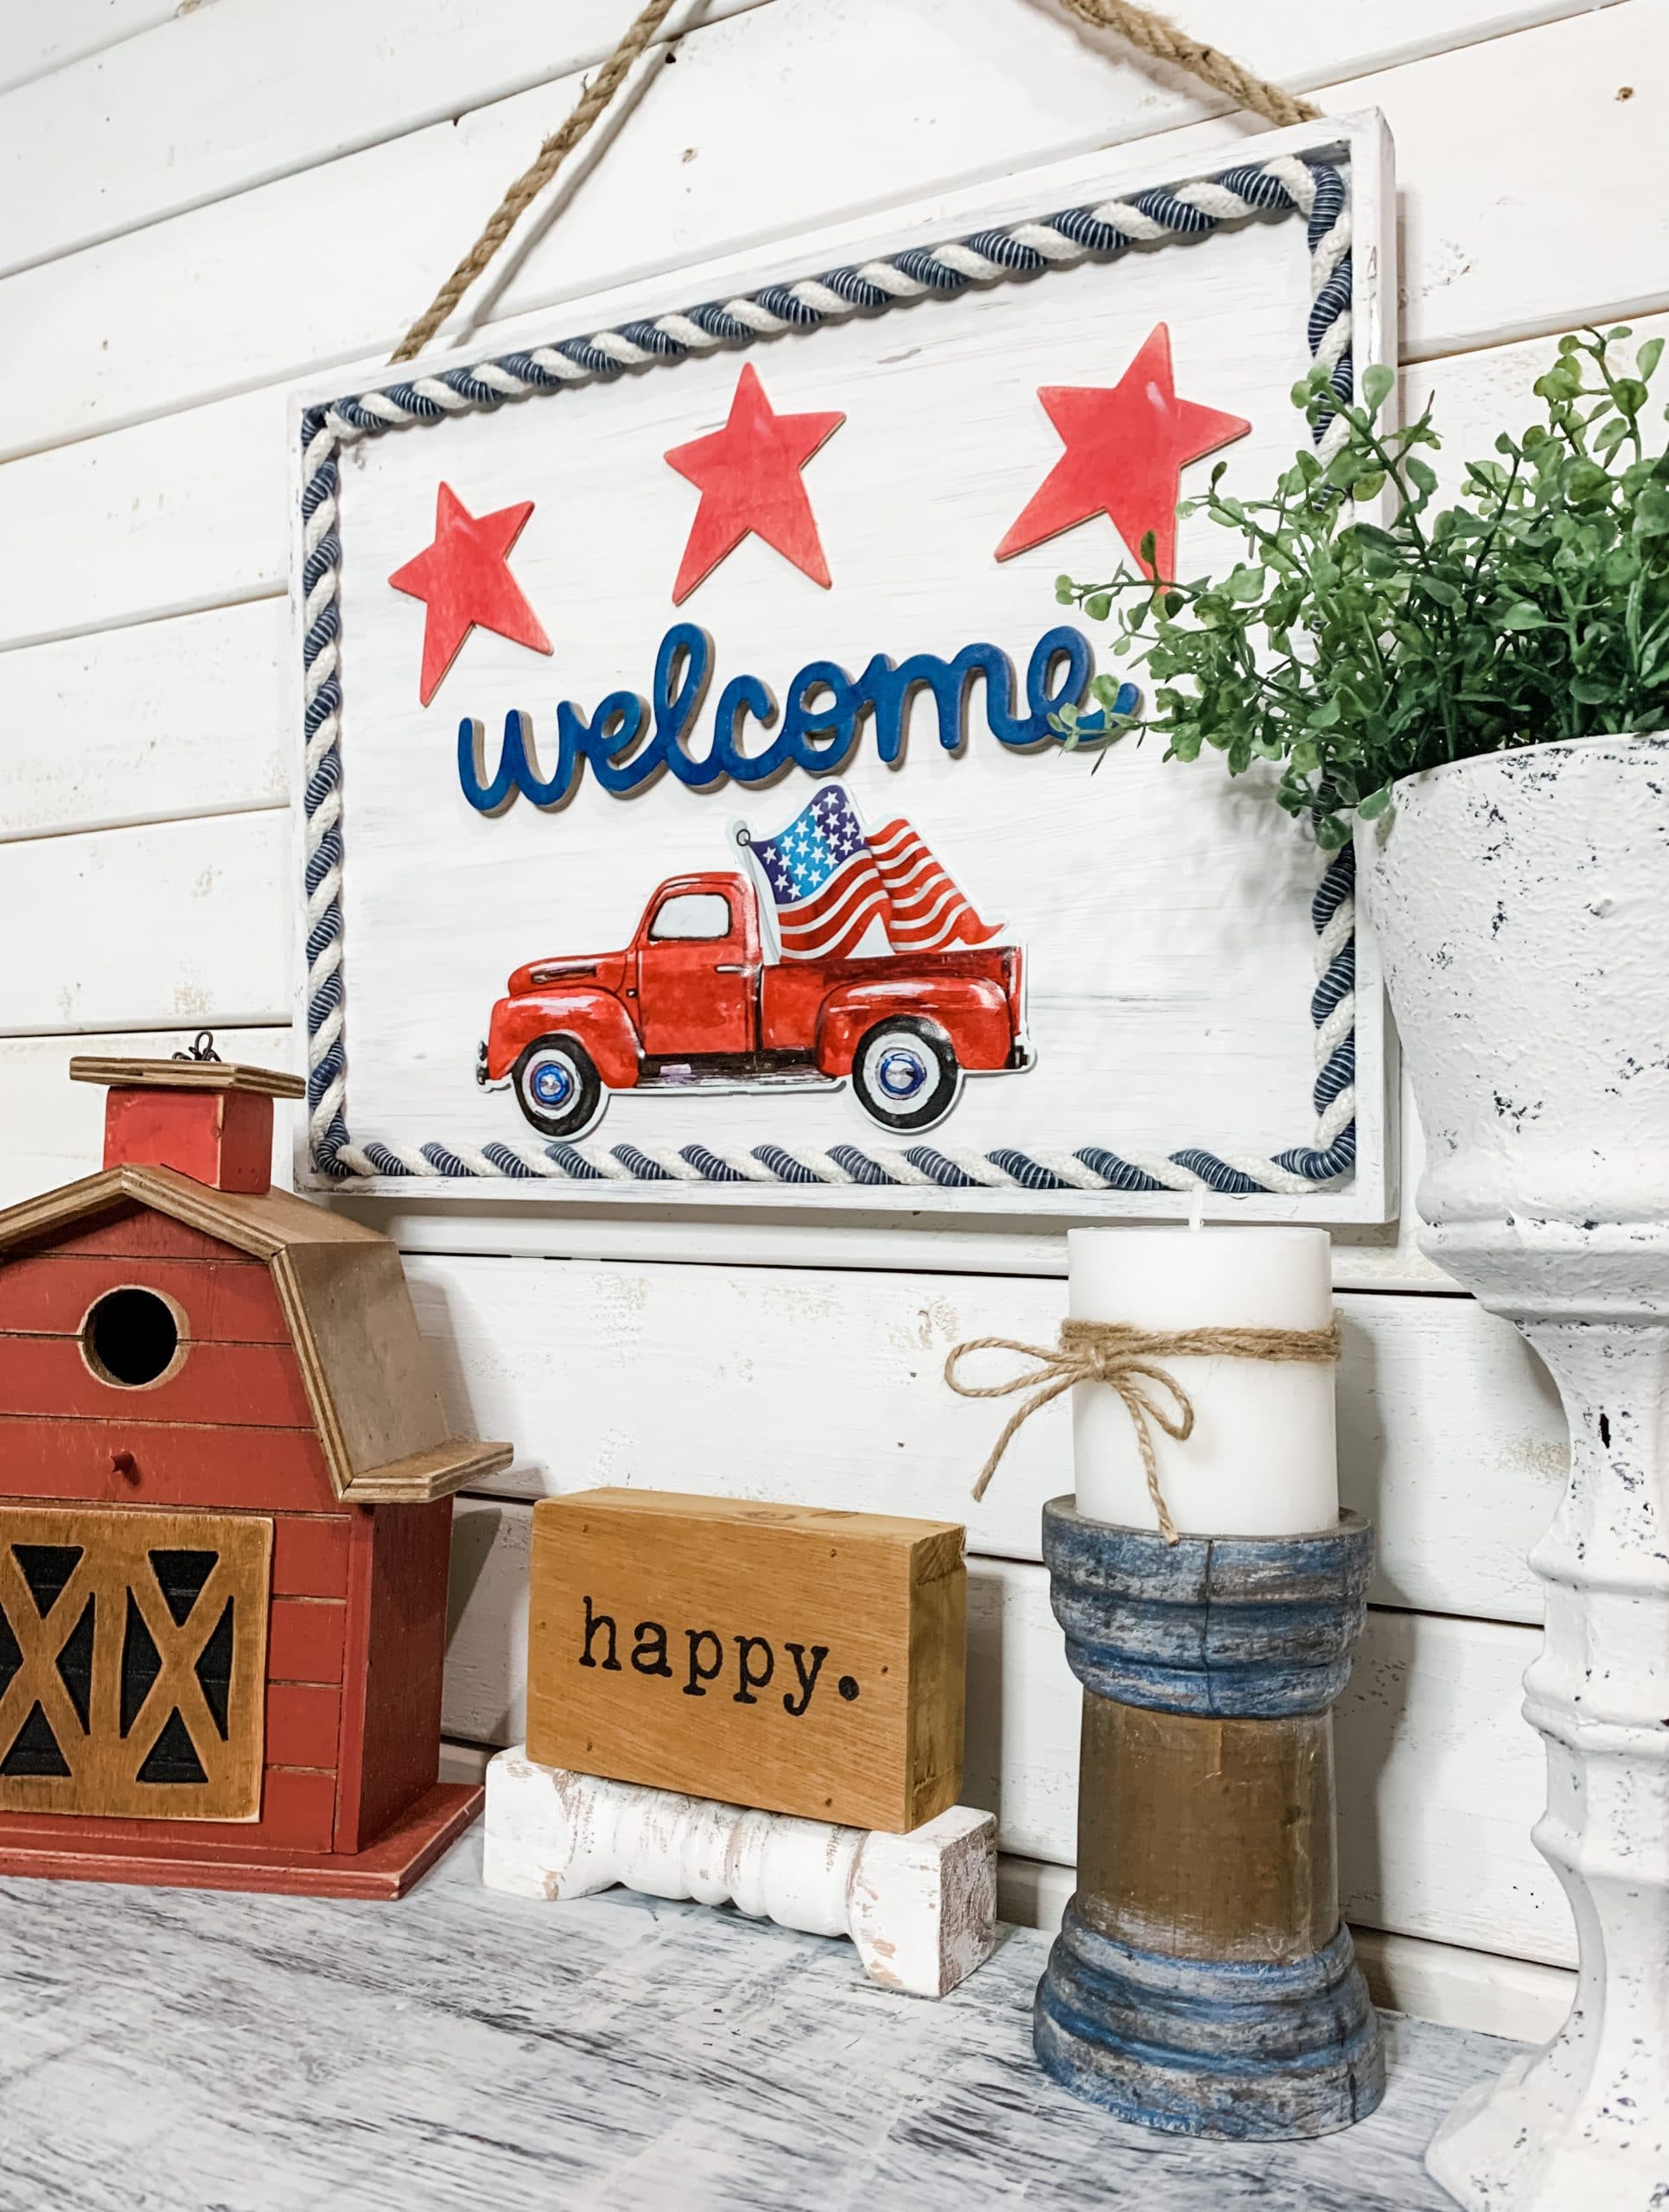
[(731, 967)]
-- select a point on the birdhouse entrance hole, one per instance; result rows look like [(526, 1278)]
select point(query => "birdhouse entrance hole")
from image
[(130, 1337)]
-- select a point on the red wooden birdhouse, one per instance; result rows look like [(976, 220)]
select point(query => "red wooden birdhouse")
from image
[(225, 1517)]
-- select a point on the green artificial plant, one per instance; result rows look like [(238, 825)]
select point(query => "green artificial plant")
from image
[(1354, 651)]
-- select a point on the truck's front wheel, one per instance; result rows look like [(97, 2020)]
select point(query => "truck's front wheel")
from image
[(558, 1087), (905, 1074)]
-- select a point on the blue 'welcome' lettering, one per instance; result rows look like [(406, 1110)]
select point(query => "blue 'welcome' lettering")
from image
[(630, 741)]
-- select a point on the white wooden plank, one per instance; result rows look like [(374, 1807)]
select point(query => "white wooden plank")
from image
[(176, 925), (1475, 396), (150, 723), (216, 99), (1430, 1746), (1502, 234), (1440, 1780), (188, 512), (54, 1129), (239, 293), (1406, 1974), (1450, 1436), (1466, 1989), (36, 40)]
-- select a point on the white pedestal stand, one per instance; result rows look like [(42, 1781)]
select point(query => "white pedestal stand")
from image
[(922, 1907), (1522, 905)]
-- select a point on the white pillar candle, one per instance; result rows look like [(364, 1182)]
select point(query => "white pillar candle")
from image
[(1262, 1458)]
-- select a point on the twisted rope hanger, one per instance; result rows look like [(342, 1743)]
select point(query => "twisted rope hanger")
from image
[(1156, 36), (1143, 28)]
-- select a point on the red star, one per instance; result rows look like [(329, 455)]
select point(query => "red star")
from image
[(1126, 448), (464, 580), (747, 474)]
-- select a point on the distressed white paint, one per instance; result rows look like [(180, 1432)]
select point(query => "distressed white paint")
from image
[(187, 512), (176, 923), (1165, 921), (166, 720), (1428, 1747), (278, 111), (466, 2048), (920, 1908), (173, 516), (1450, 1436), (1521, 898), (237, 293), (124, 138), (35, 42)]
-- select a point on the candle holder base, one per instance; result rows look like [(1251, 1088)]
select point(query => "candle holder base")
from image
[(1203, 1983), (1200, 2046)]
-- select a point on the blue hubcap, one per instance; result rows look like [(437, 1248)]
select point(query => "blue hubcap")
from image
[(552, 1085), (900, 1074)]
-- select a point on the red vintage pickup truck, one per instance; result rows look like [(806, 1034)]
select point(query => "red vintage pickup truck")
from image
[(694, 1001)]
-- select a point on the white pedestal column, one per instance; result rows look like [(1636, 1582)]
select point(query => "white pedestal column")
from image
[(1585, 2122), (1521, 903)]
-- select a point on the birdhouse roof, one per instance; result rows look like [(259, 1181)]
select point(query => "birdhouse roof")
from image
[(379, 1414)]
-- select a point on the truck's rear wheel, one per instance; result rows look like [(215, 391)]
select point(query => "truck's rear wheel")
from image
[(558, 1087), (905, 1073)]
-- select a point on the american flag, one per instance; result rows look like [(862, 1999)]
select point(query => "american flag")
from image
[(837, 891)]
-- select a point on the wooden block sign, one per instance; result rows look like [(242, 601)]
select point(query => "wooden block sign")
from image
[(686, 812), (780, 1657)]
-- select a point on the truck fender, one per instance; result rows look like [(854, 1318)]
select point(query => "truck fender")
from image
[(594, 1019), (972, 1010)]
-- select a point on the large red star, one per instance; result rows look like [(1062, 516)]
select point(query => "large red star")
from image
[(1126, 448), (464, 578), (747, 474)]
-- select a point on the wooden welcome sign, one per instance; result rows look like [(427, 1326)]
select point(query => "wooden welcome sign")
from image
[(782, 1657), (685, 808)]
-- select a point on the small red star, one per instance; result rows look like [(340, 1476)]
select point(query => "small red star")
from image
[(1126, 448), (463, 577), (747, 474)]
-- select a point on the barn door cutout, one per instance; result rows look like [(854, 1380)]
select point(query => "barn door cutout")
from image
[(684, 808), (132, 1663)]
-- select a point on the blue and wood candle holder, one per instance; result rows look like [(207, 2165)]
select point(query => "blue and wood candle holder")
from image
[(1202, 1982)]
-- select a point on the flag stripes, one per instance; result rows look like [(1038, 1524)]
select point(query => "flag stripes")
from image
[(928, 909), (831, 924)]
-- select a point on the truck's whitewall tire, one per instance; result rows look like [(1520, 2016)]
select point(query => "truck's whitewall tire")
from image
[(905, 1073), (558, 1087)]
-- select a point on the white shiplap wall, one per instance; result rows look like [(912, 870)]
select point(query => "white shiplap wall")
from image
[(198, 205)]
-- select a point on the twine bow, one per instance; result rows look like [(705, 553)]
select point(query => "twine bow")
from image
[(1127, 1359)]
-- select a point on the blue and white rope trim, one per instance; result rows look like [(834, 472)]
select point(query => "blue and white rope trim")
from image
[(1317, 190)]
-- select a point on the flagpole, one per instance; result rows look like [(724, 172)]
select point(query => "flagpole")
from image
[(766, 898)]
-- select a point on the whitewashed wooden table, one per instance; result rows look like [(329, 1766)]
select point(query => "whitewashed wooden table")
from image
[(177, 2052)]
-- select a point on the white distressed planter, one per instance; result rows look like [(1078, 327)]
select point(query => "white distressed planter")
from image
[(922, 1907), (1521, 905)]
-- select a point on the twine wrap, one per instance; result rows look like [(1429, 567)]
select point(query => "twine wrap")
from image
[(1128, 1360)]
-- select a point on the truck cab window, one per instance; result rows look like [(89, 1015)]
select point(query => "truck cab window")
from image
[(691, 917)]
